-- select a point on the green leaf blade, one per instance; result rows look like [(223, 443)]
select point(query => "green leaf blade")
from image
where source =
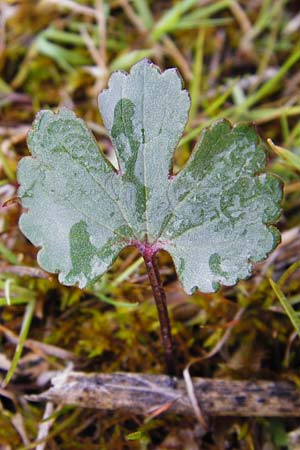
[(145, 113), (214, 217), (62, 186), (221, 209)]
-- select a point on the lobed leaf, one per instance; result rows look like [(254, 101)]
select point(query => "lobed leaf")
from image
[(213, 217)]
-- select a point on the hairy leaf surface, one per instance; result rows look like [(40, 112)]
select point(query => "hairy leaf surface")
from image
[(213, 217)]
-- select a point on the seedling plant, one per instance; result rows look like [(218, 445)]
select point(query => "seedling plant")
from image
[(214, 217)]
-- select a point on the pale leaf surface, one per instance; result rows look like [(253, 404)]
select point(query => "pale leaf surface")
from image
[(213, 217)]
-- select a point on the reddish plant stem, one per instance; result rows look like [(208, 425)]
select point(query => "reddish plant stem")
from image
[(161, 305)]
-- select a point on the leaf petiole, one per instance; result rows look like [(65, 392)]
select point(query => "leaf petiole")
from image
[(161, 305)]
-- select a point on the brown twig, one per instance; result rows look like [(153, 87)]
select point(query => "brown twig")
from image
[(140, 394), (40, 348), (22, 271)]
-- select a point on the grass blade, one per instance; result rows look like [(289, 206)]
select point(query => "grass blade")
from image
[(28, 316), (292, 159), (286, 306)]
